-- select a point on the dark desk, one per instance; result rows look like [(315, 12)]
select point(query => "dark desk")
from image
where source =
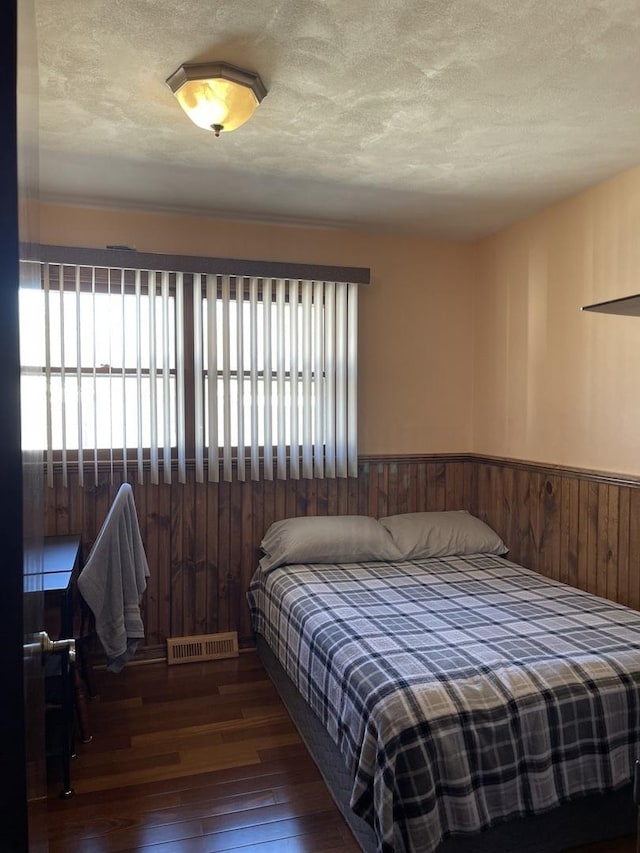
[(61, 564), (61, 553), (62, 561)]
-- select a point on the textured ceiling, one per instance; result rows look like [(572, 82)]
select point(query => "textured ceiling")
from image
[(444, 117)]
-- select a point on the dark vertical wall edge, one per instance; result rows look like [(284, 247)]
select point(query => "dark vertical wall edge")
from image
[(13, 787)]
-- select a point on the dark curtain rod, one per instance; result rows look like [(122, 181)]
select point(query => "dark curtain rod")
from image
[(123, 258)]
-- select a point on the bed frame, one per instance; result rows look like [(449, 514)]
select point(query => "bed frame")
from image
[(589, 819)]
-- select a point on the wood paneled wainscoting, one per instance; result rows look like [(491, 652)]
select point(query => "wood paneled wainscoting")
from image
[(202, 539), (579, 527)]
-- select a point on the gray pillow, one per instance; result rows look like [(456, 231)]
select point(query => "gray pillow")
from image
[(442, 534), (326, 539)]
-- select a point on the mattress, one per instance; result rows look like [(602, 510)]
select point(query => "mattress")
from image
[(460, 692)]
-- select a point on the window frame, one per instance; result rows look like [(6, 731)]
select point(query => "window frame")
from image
[(124, 259)]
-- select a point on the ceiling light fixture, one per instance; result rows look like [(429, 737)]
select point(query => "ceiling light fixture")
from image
[(215, 95)]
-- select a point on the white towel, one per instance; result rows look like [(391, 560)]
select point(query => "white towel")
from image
[(114, 578)]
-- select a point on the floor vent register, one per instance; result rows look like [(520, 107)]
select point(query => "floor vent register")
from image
[(202, 647)]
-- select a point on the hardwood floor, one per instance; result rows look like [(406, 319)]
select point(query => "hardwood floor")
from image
[(194, 758), (199, 758)]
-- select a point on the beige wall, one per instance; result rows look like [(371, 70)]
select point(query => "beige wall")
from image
[(415, 331), (462, 347), (551, 383)]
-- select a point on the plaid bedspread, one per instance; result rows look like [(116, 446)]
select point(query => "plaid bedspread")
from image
[(460, 691)]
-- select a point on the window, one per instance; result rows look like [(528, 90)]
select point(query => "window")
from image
[(277, 359), (246, 375), (98, 353)]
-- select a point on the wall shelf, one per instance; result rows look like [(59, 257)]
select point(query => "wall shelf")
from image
[(626, 305)]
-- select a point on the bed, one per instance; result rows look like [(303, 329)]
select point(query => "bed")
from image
[(453, 701)]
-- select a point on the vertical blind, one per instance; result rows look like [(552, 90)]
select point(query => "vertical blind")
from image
[(141, 369), (275, 371), (103, 369)]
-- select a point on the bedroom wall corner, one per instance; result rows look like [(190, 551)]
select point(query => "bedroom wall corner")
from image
[(552, 383)]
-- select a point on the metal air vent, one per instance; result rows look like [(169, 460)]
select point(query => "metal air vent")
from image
[(202, 647)]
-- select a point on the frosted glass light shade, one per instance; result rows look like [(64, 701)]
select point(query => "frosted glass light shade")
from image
[(215, 95)]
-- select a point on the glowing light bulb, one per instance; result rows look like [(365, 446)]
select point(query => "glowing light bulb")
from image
[(217, 96)]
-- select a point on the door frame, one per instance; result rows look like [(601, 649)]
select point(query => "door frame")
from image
[(13, 787)]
